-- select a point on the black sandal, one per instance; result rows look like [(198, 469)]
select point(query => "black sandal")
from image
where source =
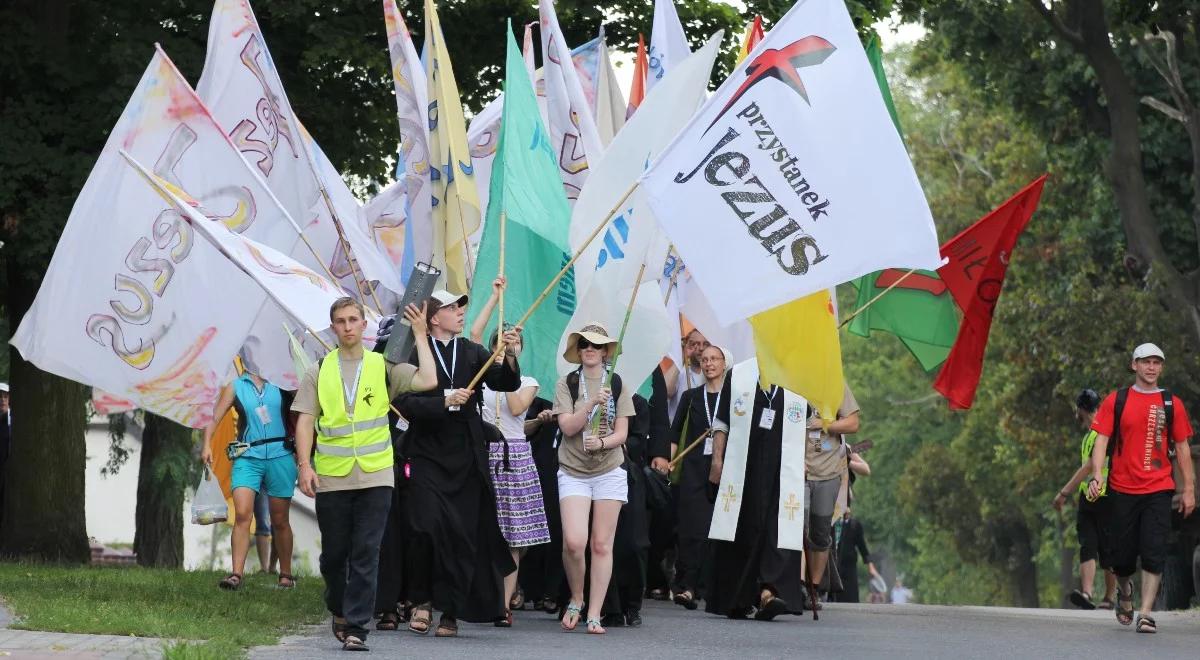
[(231, 582), (339, 629), (686, 599), (1082, 600), (771, 609), (286, 581), (447, 626), (388, 621), (1146, 624), (352, 643)]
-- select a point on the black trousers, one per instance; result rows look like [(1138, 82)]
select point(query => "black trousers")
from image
[(352, 524), (689, 566)]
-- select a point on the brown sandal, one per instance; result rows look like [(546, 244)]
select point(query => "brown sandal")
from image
[(422, 617), (286, 581), (231, 582)]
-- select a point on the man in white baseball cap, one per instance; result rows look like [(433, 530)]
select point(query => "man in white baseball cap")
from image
[(1139, 421), (1147, 350)]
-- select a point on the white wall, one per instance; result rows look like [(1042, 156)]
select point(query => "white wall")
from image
[(110, 502)]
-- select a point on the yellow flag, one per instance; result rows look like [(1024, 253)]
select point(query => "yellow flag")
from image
[(799, 349), (452, 174), (754, 34)]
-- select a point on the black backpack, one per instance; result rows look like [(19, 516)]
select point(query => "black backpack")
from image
[(1114, 440)]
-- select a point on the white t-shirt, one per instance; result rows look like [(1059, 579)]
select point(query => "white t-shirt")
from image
[(901, 595), (511, 427)]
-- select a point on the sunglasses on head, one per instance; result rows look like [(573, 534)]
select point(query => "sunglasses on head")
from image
[(583, 343)]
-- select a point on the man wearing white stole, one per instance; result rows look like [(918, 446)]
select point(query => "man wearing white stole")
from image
[(757, 530)]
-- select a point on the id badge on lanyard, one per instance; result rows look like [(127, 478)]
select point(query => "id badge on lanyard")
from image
[(264, 415), (767, 421)]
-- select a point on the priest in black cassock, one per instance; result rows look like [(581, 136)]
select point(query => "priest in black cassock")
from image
[(752, 574), (456, 556), (694, 494)]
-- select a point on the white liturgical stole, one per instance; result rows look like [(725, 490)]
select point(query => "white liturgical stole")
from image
[(743, 388)]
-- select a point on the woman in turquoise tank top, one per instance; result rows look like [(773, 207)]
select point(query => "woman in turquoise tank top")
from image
[(263, 461)]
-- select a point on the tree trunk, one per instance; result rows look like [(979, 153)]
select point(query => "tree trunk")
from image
[(1066, 565), (1024, 571), (44, 517), (162, 481), (43, 508)]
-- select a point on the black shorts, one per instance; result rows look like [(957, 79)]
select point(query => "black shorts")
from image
[(1091, 522), (1139, 527)]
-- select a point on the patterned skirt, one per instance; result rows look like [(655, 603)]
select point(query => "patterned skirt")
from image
[(519, 507)]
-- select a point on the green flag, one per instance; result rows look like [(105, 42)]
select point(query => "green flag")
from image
[(919, 310), (527, 189)]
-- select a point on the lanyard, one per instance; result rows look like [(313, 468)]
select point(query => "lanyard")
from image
[(595, 409), (771, 396), (437, 352), (350, 391), (716, 406), (257, 392)]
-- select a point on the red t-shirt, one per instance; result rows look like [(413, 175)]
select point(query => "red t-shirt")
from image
[(1142, 465)]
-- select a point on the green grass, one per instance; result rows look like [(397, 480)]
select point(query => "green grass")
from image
[(172, 604)]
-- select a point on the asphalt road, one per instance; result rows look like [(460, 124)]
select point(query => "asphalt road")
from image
[(844, 631)]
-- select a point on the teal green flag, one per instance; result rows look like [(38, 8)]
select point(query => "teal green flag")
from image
[(919, 310), (527, 188)]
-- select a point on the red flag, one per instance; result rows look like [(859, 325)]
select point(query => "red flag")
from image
[(641, 65), (975, 276)]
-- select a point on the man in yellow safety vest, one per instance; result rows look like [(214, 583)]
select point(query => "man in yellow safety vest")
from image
[(344, 400)]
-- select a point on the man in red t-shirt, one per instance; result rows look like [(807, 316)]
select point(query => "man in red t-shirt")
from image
[(1140, 485)]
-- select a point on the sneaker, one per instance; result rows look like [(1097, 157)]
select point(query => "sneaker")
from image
[(633, 618)]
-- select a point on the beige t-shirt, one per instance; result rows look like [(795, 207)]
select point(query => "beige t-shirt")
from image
[(400, 377), (825, 453), (571, 456)]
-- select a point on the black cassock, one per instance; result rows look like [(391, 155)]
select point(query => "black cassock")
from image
[(456, 556), (541, 568), (850, 545), (632, 538), (693, 494), (739, 570)]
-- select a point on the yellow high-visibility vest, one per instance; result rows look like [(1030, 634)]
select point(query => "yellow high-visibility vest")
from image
[(342, 439)]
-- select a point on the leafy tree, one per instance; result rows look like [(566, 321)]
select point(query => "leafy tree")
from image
[(69, 68), (1118, 72)]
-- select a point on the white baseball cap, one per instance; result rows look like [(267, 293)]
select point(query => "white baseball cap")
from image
[(1148, 350), (3, 387), (444, 298)]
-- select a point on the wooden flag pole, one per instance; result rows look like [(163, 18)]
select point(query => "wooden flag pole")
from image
[(578, 253), (872, 301), (503, 228), (561, 273), (466, 244), (612, 367), (679, 457)]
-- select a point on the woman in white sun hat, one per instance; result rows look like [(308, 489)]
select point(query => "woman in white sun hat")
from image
[(591, 481)]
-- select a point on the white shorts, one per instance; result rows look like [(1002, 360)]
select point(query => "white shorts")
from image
[(612, 485)]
